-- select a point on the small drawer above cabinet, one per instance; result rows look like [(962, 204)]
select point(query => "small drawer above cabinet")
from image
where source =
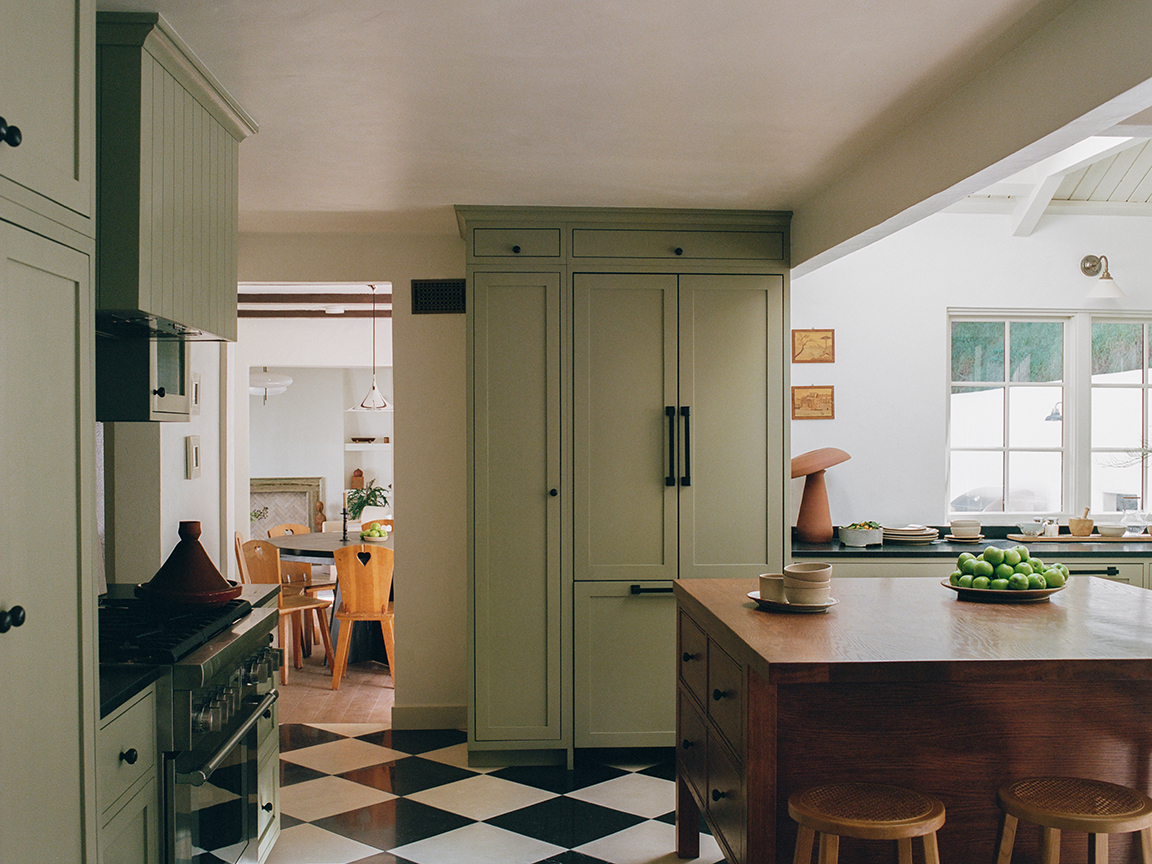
[(516, 243), (693, 658), (687, 245), (125, 748)]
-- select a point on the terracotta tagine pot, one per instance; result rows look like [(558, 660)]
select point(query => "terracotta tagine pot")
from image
[(189, 576)]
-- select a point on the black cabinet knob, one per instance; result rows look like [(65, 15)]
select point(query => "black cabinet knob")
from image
[(686, 744), (267, 715), (130, 756), (268, 807), (10, 618), (553, 492), (688, 658), (718, 694), (718, 795), (10, 135), (515, 250), (159, 391), (678, 251)]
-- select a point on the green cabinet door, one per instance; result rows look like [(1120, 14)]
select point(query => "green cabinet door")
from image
[(515, 602)]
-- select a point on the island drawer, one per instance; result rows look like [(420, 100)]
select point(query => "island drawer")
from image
[(693, 746), (516, 243), (125, 748), (726, 801), (726, 696), (693, 658)]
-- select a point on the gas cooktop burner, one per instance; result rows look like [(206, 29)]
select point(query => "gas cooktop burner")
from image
[(137, 631)]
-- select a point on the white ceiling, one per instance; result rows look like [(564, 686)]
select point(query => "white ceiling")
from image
[(382, 114)]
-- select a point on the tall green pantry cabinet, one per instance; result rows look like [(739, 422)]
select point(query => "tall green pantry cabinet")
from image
[(628, 425), (47, 441)]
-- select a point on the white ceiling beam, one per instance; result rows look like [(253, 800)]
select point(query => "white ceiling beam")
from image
[(1049, 93), (1054, 170)]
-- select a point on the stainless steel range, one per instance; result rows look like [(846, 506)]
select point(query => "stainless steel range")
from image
[(217, 721)]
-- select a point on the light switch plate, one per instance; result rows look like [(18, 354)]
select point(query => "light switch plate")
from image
[(192, 457)]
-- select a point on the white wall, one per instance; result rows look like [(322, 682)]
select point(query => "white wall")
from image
[(888, 305), (430, 448), (146, 512)]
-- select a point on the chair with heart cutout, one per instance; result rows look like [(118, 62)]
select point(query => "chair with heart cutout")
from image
[(365, 576)]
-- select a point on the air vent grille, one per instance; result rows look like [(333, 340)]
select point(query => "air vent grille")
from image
[(435, 296)]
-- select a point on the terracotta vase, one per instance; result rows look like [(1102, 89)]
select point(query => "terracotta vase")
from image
[(189, 576)]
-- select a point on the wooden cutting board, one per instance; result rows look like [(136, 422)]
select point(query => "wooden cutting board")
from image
[(1091, 538)]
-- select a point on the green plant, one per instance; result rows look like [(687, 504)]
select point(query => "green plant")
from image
[(370, 496), (256, 515)]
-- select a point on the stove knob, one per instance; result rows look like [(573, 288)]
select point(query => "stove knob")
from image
[(207, 719), (223, 708)]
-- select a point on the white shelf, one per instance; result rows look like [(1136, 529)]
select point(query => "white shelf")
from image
[(373, 446)]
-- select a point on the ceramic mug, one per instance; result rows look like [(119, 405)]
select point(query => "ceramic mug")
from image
[(772, 587)]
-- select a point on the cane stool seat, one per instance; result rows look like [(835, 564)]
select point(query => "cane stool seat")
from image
[(1073, 804), (866, 811)]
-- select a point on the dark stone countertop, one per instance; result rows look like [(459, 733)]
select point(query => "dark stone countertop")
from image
[(119, 683), (993, 536)]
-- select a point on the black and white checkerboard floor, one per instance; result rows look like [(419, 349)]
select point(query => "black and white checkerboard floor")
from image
[(364, 794)]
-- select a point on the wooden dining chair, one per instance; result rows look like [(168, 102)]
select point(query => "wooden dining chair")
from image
[(240, 562), (365, 576), (262, 560), (298, 576)]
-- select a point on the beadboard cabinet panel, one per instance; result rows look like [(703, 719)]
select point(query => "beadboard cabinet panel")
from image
[(516, 447)]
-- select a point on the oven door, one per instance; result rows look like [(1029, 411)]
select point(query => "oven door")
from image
[(211, 795)]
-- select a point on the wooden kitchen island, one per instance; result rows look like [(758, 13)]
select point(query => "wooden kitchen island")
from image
[(903, 683)]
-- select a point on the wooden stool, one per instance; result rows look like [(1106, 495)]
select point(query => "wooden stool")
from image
[(1073, 804), (866, 811)]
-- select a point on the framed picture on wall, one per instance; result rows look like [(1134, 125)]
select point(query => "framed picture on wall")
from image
[(813, 403), (813, 346)]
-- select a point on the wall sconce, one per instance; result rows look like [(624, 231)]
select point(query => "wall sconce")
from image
[(1105, 287), (1055, 414)]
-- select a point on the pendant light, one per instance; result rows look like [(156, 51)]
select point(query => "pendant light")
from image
[(375, 400), (267, 383)]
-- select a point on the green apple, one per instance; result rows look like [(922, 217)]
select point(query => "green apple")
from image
[(983, 568), (993, 555), (1012, 557), (981, 582), (999, 585)]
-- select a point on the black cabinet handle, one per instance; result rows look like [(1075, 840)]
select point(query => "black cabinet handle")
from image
[(10, 135), (130, 756), (685, 412), (718, 795), (718, 694), (553, 492), (1107, 571), (678, 251), (688, 658), (268, 807), (10, 618), (515, 250), (670, 412), (640, 589), (159, 391), (686, 744)]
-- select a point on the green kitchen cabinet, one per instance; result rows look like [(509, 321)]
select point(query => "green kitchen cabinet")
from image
[(46, 93), (47, 585), (128, 788), (628, 427), (515, 598)]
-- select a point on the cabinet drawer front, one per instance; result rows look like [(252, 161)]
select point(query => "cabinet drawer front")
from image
[(134, 728), (739, 245), (693, 656), (726, 803), (726, 696), (516, 242), (692, 746)]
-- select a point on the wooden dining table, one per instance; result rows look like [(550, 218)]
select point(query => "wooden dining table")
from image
[(320, 548)]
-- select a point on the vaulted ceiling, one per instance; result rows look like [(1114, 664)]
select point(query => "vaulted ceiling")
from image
[(379, 115)]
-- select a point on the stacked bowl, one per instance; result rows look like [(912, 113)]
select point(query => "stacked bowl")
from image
[(807, 583)]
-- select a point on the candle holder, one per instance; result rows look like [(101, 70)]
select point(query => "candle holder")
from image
[(344, 535)]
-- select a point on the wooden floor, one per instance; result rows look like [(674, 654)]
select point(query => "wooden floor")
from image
[(365, 694)]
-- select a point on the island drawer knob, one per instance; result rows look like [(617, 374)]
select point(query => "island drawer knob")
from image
[(718, 694), (686, 744), (688, 658), (718, 795)]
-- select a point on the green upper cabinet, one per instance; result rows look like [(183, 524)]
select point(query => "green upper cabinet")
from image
[(167, 189), (46, 94)]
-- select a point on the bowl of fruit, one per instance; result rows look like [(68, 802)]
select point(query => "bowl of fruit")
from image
[(375, 533), (860, 534), (1009, 575)]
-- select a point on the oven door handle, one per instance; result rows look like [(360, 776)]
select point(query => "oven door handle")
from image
[(199, 776)]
